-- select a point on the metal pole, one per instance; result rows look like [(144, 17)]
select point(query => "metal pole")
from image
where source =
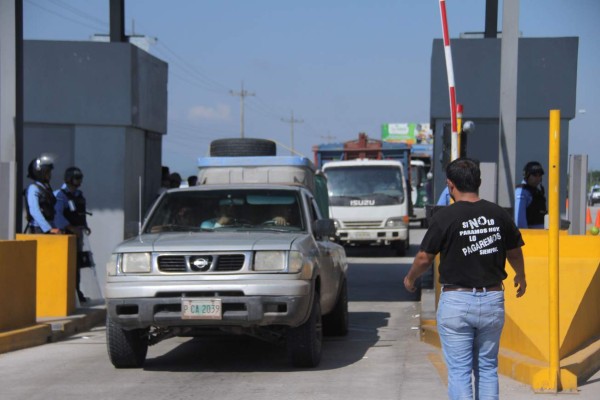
[(243, 93), (554, 224), (451, 89), (459, 115)]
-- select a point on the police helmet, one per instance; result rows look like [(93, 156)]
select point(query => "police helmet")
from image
[(72, 173), (533, 168), (38, 167)]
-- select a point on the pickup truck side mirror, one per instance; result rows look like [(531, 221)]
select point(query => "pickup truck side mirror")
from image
[(323, 228)]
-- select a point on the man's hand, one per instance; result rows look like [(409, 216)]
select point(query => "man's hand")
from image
[(515, 259), (280, 221), (420, 264), (409, 284), (520, 284)]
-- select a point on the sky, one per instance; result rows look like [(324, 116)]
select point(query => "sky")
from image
[(340, 66)]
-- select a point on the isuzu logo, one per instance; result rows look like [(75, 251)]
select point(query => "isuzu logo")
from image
[(362, 202), (200, 263)]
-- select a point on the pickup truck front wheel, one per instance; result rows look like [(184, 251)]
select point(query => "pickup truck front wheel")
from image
[(304, 343), (126, 349), (336, 322)]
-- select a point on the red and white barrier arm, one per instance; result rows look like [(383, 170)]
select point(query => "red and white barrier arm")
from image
[(451, 88)]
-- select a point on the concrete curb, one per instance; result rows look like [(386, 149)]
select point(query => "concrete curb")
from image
[(49, 330)]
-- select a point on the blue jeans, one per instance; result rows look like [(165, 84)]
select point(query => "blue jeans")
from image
[(469, 325)]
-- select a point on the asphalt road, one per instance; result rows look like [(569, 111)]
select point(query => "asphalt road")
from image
[(381, 358)]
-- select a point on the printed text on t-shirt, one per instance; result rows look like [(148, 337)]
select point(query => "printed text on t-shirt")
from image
[(474, 229)]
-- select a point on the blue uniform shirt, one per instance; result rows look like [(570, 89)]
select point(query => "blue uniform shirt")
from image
[(523, 199), (62, 203), (444, 199), (33, 202)]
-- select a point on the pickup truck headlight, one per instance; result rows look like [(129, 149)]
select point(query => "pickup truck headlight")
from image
[(269, 261), (134, 263)]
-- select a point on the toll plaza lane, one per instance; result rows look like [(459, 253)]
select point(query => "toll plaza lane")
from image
[(381, 358)]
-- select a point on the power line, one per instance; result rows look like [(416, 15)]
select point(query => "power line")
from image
[(95, 28), (242, 94)]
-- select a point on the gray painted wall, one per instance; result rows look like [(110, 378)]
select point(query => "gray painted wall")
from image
[(547, 77), (103, 108)]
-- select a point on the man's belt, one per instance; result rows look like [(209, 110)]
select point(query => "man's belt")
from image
[(457, 288)]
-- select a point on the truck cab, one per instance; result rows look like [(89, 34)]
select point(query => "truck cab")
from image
[(369, 202)]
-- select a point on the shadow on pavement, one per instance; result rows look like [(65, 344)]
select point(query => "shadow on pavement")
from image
[(246, 354)]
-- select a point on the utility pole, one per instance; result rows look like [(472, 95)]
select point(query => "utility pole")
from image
[(328, 137), (242, 93), (292, 121)]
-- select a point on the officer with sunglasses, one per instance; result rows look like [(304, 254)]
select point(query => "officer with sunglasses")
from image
[(530, 198)]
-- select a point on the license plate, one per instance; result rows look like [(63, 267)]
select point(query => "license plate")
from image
[(361, 235), (201, 309)]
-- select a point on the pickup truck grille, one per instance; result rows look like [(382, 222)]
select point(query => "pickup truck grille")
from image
[(362, 224), (210, 263)]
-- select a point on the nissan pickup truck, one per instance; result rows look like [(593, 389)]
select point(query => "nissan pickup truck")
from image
[(229, 257)]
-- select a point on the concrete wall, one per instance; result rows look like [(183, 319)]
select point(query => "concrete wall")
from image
[(547, 77), (103, 108)]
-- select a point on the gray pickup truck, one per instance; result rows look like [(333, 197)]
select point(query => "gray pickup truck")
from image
[(242, 258)]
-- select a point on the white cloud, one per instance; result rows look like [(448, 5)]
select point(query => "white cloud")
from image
[(221, 112)]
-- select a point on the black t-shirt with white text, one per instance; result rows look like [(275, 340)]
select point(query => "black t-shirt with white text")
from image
[(472, 239)]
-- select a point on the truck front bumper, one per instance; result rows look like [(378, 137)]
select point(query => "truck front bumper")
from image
[(382, 236), (163, 308)]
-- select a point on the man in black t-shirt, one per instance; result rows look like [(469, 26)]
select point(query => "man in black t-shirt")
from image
[(474, 238)]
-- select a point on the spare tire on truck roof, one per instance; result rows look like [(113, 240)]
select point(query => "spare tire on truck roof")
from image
[(242, 147)]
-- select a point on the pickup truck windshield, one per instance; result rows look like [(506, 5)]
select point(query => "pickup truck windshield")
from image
[(215, 210), (380, 184)]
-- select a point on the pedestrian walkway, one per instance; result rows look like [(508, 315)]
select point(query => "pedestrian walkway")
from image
[(49, 330)]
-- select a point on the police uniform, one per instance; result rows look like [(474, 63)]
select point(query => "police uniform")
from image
[(530, 201)]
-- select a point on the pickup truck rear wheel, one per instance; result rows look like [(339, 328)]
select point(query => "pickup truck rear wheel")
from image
[(126, 349), (336, 322), (304, 343)]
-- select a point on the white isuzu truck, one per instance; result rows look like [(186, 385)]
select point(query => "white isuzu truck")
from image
[(369, 202)]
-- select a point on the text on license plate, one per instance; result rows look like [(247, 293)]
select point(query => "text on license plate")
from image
[(201, 309)]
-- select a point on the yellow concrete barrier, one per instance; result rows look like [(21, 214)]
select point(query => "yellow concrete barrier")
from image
[(527, 326), (55, 278), (17, 284), (525, 342)]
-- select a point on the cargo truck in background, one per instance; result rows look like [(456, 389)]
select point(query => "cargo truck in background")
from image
[(421, 178), (369, 193), (419, 137)]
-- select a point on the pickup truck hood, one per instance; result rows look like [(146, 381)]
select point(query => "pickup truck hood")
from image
[(209, 241)]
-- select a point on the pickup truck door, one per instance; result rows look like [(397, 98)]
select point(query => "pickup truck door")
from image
[(328, 259)]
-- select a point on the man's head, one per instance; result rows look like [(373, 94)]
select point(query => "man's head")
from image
[(533, 173), (40, 168), (174, 180), (464, 174), (73, 176)]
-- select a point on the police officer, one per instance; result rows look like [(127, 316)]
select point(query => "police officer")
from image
[(71, 216), (530, 198), (40, 200)]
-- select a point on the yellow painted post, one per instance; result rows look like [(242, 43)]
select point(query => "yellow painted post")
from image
[(55, 274), (459, 114), (17, 284), (554, 224)]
